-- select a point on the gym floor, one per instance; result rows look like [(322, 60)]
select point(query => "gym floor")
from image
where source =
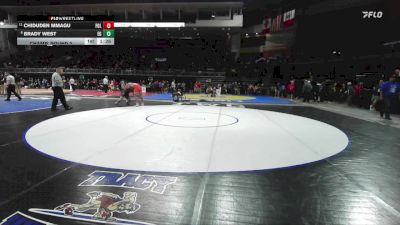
[(355, 184)]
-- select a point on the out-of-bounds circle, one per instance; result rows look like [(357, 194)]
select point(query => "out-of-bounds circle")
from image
[(192, 119), (122, 138)]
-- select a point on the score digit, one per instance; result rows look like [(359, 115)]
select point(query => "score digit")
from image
[(109, 25), (108, 33)]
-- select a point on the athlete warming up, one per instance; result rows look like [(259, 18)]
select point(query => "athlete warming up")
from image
[(136, 89)]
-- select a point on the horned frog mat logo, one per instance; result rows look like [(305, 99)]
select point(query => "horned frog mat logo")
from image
[(100, 208), (105, 205)]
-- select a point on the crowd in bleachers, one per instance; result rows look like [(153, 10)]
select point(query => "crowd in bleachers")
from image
[(354, 93), (196, 54), (156, 86), (242, 88)]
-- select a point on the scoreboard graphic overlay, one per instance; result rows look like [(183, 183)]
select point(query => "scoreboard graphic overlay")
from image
[(65, 30)]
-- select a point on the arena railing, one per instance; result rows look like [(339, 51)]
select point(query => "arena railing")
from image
[(117, 72)]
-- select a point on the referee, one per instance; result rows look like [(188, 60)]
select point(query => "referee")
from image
[(57, 85), (105, 84), (10, 86)]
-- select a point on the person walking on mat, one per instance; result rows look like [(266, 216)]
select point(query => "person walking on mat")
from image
[(10, 87), (57, 85)]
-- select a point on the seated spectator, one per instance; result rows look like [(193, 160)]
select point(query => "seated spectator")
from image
[(291, 88)]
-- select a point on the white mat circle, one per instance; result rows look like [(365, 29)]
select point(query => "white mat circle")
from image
[(186, 139)]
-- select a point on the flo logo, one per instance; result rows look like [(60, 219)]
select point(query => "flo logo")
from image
[(372, 14)]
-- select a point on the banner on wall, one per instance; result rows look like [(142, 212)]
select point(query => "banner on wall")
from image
[(288, 18), (276, 24), (281, 21)]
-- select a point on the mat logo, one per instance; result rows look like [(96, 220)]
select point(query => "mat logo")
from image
[(101, 207), (105, 204), (154, 183), (372, 14), (20, 218)]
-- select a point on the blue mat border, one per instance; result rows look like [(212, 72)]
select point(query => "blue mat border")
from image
[(27, 104)]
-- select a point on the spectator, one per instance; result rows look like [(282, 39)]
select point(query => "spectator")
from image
[(298, 88), (397, 73), (349, 93), (72, 84), (282, 90), (183, 85), (315, 91), (278, 89), (111, 85), (173, 86), (389, 94), (105, 84), (375, 102), (291, 88), (323, 91), (2, 86), (307, 90), (358, 88)]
